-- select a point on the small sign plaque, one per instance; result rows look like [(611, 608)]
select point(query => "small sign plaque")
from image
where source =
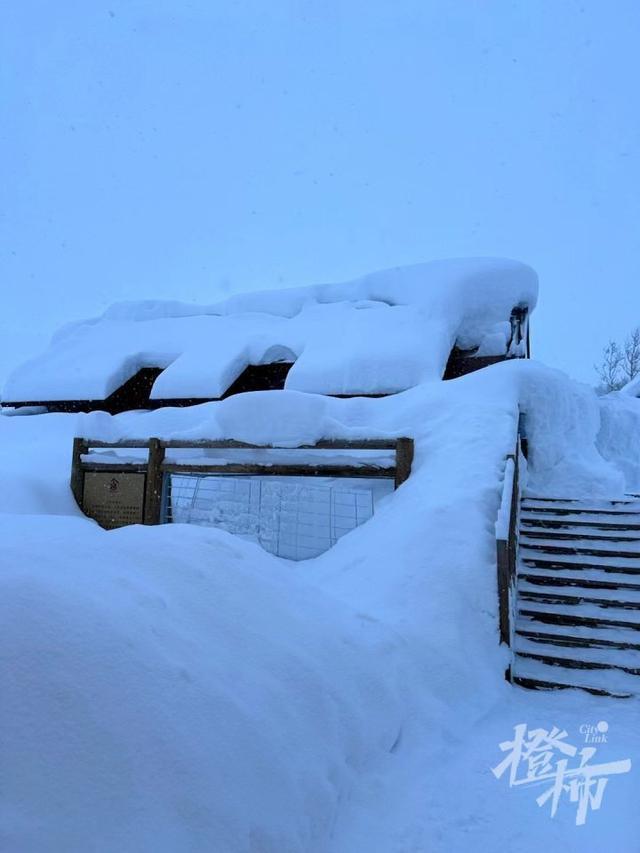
[(114, 499)]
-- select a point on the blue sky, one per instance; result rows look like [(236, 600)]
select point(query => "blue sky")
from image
[(175, 149)]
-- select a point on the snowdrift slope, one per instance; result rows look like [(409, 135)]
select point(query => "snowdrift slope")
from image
[(172, 690)]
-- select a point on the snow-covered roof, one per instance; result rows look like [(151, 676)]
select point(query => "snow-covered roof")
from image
[(382, 333)]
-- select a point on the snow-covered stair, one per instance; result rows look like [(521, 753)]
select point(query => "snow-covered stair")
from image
[(577, 604)]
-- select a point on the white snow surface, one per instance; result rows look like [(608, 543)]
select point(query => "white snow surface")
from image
[(632, 388), (382, 333), (166, 692), (174, 688), (619, 436)]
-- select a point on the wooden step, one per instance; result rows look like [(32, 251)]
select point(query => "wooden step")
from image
[(545, 638), (576, 563), (538, 684), (582, 583), (534, 521), (583, 608), (576, 597), (573, 663), (628, 498), (608, 680), (551, 618), (577, 600), (581, 510), (558, 535), (588, 657), (578, 546), (561, 505), (585, 632)]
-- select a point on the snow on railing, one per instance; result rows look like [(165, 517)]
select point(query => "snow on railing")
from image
[(506, 528), (504, 513)]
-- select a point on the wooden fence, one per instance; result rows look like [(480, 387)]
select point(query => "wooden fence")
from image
[(144, 501)]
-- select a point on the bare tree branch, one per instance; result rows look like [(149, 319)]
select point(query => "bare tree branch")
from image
[(631, 355), (610, 368)]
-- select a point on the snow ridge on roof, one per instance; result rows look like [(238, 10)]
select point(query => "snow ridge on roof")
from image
[(384, 332)]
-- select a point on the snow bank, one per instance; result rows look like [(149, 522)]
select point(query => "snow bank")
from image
[(619, 436), (379, 334), (562, 422), (632, 388), (34, 464), (172, 689)]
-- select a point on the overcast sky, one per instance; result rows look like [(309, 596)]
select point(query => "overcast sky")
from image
[(176, 149)]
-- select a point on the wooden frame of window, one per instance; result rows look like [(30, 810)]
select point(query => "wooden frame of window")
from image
[(156, 466)]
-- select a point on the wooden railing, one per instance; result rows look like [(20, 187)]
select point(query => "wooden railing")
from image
[(519, 345), (507, 540), (156, 465)]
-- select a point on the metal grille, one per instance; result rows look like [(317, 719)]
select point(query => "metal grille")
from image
[(286, 516)]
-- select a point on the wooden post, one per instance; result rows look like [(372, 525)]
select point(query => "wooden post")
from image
[(507, 555), (153, 486), (503, 562), (80, 447), (522, 435), (404, 459)]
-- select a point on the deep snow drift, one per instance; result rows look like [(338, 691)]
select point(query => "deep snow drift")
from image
[(176, 688), (632, 388), (619, 436)]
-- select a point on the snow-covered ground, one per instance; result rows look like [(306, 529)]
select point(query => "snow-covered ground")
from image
[(176, 688)]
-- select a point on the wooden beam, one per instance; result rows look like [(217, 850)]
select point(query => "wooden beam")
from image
[(153, 486), (114, 406), (504, 579), (507, 553), (116, 467), (404, 460), (77, 473), (122, 443), (282, 470), (324, 444), (221, 444)]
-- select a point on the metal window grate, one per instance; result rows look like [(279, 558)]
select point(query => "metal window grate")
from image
[(286, 516)]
